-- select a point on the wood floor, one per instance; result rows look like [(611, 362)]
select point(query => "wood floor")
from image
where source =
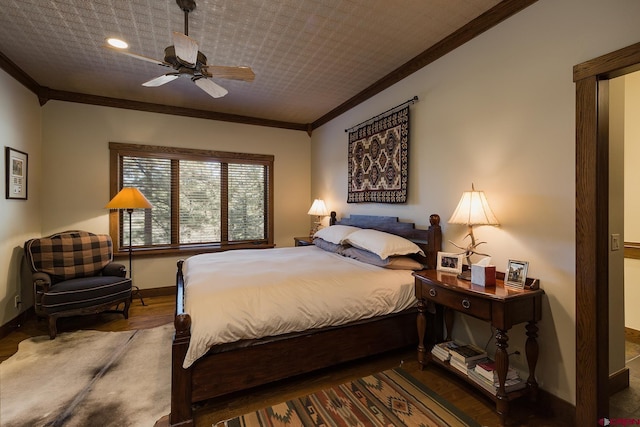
[(159, 310), (626, 403)]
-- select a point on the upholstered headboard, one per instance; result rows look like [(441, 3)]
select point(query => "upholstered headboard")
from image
[(430, 240)]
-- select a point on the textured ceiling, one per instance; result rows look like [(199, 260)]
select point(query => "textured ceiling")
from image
[(309, 56)]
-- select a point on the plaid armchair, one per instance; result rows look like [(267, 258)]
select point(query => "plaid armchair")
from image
[(73, 274)]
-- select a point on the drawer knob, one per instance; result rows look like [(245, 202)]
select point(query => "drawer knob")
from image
[(466, 303), (432, 292)]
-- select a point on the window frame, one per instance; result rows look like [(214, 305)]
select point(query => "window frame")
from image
[(116, 217)]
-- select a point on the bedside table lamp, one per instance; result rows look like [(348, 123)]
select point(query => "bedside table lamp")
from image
[(318, 209), (129, 198), (473, 209)]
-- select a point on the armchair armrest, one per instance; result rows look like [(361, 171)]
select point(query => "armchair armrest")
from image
[(114, 269), (41, 280)]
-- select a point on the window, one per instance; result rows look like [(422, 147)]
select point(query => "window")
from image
[(202, 200)]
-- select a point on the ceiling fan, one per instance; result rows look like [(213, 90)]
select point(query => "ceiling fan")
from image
[(187, 61)]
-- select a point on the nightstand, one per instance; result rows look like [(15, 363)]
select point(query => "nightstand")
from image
[(303, 241), (498, 305)]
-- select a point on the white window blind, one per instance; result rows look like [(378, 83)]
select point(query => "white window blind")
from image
[(152, 177), (200, 208), (246, 202), (200, 198)]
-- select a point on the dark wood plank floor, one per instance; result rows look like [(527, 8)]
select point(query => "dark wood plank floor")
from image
[(626, 403), (159, 310)]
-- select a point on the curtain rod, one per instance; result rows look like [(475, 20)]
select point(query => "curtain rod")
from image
[(411, 101)]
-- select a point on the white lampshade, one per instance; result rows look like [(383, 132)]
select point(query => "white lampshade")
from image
[(473, 209), (318, 208)]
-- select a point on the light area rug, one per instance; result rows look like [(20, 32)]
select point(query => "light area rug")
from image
[(88, 378), (389, 398)]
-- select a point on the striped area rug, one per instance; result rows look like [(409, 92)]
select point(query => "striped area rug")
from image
[(389, 398)]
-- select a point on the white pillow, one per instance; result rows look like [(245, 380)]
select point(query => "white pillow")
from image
[(382, 244), (335, 233)]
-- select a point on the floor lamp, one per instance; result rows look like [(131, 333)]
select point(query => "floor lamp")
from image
[(130, 198)]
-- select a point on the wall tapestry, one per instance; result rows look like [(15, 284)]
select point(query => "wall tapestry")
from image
[(378, 160)]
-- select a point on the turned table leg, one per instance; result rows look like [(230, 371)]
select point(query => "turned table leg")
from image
[(531, 349), (422, 327), (448, 323), (502, 366)]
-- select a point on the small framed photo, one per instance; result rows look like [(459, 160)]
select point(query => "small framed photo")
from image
[(516, 274), (16, 177), (451, 263)]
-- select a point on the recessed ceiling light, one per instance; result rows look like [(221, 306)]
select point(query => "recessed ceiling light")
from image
[(120, 44)]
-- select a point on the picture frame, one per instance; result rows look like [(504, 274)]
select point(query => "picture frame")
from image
[(17, 172), (516, 274), (449, 262)]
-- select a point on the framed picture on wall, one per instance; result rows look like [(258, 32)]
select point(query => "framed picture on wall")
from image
[(16, 173)]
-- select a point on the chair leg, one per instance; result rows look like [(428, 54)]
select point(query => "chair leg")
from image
[(53, 330), (127, 304)]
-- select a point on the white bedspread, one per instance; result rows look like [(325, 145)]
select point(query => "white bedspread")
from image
[(246, 294)]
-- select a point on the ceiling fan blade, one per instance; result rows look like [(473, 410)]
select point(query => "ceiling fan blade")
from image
[(211, 88), (235, 73), (135, 55), (159, 81), (186, 48)]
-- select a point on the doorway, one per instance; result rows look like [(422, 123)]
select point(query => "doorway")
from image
[(624, 262), (592, 222)]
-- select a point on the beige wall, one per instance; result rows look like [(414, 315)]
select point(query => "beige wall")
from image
[(67, 144), (499, 112), (75, 146), (20, 129), (632, 198)]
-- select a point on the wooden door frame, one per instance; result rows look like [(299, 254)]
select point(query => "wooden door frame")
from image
[(592, 228)]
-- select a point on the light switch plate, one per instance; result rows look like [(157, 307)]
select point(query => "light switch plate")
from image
[(615, 242)]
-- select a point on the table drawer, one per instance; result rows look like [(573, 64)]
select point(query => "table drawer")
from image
[(477, 307)]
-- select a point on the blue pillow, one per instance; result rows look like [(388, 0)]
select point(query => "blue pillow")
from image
[(328, 246), (392, 262)]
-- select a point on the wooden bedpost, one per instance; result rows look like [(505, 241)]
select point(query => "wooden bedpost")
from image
[(181, 411), (333, 219), (434, 240)]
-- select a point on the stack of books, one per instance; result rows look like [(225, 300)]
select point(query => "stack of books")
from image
[(487, 368), (465, 357), (441, 351), (484, 374)]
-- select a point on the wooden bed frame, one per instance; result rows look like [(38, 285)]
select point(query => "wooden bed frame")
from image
[(226, 369)]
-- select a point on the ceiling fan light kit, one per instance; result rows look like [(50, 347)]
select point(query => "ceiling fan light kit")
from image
[(187, 61)]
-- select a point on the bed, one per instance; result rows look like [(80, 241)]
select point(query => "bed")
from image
[(225, 362)]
